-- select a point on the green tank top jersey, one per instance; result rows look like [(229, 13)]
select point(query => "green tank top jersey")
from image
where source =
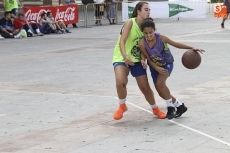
[(11, 4), (131, 45)]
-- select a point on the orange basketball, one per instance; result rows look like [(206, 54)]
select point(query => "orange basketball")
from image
[(191, 59)]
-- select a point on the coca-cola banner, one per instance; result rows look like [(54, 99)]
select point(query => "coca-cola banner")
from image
[(66, 13)]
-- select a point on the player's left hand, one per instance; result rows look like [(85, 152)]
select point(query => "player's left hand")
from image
[(198, 50), (144, 64)]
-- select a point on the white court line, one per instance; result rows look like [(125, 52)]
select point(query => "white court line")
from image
[(2, 115), (184, 126), (179, 124)]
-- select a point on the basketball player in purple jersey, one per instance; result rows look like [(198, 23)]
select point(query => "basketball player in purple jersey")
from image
[(160, 60)]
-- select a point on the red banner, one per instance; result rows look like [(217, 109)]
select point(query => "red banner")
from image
[(66, 13)]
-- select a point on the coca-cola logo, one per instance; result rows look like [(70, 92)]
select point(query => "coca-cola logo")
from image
[(30, 16), (67, 15)]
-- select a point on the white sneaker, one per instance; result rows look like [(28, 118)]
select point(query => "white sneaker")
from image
[(40, 34), (34, 35), (1, 37), (19, 35)]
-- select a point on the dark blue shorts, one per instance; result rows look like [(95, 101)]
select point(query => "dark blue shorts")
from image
[(136, 70), (14, 11), (154, 73)]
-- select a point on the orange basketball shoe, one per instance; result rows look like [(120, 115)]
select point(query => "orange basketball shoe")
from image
[(159, 113), (119, 113)]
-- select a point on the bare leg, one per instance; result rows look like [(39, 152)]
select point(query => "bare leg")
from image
[(173, 98), (57, 25), (62, 25), (110, 21), (99, 21), (161, 87), (224, 19), (164, 92), (15, 32), (121, 74), (143, 84), (52, 26)]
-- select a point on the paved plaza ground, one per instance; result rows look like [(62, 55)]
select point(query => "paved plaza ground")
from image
[(58, 95)]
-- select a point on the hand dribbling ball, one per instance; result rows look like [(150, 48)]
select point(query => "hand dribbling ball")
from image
[(191, 59)]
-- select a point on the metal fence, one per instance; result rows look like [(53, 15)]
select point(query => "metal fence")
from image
[(87, 13), (95, 12)]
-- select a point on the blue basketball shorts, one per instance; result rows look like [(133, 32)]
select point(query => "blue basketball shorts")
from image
[(136, 70), (154, 73), (14, 11)]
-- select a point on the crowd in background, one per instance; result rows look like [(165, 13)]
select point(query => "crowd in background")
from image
[(15, 25)]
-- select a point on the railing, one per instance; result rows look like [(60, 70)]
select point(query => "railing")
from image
[(87, 12), (90, 12)]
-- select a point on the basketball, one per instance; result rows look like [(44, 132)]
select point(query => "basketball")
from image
[(191, 59)]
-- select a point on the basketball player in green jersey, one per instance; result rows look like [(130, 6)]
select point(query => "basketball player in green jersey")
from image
[(127, 58), (11, 6)]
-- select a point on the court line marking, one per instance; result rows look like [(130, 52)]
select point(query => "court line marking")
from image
[(2, 115), (179, 124), (184, 126)]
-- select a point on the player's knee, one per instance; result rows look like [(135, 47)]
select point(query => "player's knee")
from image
[(121, 84)]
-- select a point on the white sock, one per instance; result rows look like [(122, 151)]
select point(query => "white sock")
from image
[(177, 103), (30, 31), (122, 101), (169, 102), (154, 106), (38, 31)]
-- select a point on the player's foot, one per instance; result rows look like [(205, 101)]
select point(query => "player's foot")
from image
[(119, 113), (159, 113), (222, 25), (180, 110), (171, 113)]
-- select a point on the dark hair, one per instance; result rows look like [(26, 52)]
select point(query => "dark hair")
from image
[(148, 23), (6, 13), (138, 7), (48, 13), (43, 14), (20, 14)]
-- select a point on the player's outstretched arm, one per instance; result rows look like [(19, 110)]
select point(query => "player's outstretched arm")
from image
[(179, 45)]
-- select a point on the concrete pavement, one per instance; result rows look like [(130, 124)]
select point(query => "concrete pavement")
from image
[(57, 94)]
